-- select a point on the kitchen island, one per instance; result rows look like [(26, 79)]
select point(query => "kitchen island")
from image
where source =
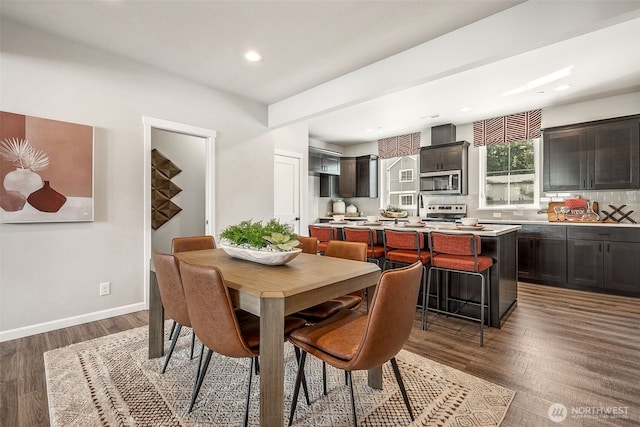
[(499, 241)]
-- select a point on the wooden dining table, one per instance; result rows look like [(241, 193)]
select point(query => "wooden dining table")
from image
[(272, 292)]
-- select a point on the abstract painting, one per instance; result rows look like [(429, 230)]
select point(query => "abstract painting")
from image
[(46, 170)]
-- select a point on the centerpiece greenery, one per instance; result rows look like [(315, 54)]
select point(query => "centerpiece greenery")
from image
[(272, 236)]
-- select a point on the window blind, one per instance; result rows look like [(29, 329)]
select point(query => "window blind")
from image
[(515, 127), (398, 146)]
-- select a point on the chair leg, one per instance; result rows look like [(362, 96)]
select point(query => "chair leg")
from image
[(482, 282), (203, 372), (304, 378), (173, 345), (193, 343), (353, 401), (173, 326), (324, 378), (403, 390), (257, 366), (425, 304), (246, 406), (296, 389)]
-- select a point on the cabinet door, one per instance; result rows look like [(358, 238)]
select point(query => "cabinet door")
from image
[(315, 162), (526, 258), (367, 176), (622, 266), (551, 260), (328, 185), (585, 263), (429, 160), (331, 165), (614, 156), (347, 181), (565, 160), (451, 157)]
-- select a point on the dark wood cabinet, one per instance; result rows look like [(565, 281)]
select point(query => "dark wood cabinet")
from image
[(443, 157), (542, 254), (604, 258), (329, 185), (323, 163), (358, 176), (592, 156)]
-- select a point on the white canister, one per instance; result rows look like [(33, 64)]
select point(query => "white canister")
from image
[(352, 209), (338, 207)]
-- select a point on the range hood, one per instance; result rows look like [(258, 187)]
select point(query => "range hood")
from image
[(443, 134)]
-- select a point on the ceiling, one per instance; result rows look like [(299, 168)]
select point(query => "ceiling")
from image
[(307, 43)]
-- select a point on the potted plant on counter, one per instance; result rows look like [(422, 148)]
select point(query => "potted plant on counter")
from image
[(272, 243)]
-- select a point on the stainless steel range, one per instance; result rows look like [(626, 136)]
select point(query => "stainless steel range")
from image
[(447, 213)]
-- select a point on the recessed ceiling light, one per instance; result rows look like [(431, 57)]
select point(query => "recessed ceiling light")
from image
[(562, 87), (252, 56), (465, 109), (430, 116)]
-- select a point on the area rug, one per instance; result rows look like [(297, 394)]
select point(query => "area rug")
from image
[(109, 381)]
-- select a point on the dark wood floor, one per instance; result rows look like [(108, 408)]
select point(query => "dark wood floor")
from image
[(559, 346)]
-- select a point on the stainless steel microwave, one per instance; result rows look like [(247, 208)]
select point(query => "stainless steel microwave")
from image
[(442, 182)]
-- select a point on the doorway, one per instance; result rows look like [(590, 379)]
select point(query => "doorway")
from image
[(178, 133)]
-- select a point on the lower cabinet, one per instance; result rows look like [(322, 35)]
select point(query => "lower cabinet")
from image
[(542, 253)]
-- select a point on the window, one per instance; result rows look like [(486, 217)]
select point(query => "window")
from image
[(399, 186), (510, 174)]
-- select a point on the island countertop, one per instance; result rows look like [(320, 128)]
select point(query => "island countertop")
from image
[(489, 230)]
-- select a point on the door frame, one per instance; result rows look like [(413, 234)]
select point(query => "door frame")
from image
[(303, 171), (209, 137)]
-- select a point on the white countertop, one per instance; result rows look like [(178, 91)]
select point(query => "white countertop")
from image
[(571, 223), (490, 230)]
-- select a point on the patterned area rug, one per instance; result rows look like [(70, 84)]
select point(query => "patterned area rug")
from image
[(110, 381)]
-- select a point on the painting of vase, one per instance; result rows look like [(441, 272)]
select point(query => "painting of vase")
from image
[(46, 170)]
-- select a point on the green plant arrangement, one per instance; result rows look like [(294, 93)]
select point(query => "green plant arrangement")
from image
[(272, 236)]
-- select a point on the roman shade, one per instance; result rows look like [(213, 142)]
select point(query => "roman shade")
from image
[(515, 127), (398, 146)]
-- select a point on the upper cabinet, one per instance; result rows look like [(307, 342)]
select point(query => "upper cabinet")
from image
[(323, 163), (593, 156), (443, 157), (358, 176)]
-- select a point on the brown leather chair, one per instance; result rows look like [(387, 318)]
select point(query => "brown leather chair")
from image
[(194, 243), (459, 253), (309, 245), (351, 340), (172, 296), (323, 234), (215, 322), (368, 236), (356, 251)]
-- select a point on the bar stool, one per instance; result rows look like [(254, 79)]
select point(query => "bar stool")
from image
[(323, 234), (403, 248), (459, 253), (368, 236)]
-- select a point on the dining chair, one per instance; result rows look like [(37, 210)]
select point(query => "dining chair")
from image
[(215, 322), (368, 236), (323, 234), (352, 340), (459, 253), (309, 245), (191, 243), (172, 296)]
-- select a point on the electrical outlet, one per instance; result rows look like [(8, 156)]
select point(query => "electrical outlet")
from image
[(497, 214), (518, 213), (105, 288)]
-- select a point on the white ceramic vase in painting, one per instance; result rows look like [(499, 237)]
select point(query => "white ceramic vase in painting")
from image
[(24, 181)]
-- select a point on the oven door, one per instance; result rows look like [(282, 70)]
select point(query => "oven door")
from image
[(445, 182)]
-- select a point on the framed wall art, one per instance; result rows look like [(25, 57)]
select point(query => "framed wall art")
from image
[(46, 170)]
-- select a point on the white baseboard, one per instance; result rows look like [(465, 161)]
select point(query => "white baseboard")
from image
[(39, 328)]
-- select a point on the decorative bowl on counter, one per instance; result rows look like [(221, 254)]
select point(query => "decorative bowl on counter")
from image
[(266, 257), (390, 214)]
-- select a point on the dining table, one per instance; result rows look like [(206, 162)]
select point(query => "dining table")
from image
[(273, 292)]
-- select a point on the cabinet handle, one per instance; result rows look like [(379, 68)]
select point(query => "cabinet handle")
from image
[(599, 247), (608, 247)]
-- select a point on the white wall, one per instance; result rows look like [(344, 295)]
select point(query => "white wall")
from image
[(49, 273)]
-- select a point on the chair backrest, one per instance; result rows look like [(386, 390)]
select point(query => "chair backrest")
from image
[(411, 240), (356, 251), (366, 235), (323, 234), (390, 317), (211, 310), (171, 288), (195, 243), (455, 244), (309, 245)]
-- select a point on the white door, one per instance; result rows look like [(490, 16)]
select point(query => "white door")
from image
[(286, 194)]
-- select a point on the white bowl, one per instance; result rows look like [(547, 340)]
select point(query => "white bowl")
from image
[(261, 257), (414, 219), (372, 218), (338, 217), (469, 221)]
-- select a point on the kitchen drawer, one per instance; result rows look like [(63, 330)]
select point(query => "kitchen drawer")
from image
[(543, 231), (612, 234)]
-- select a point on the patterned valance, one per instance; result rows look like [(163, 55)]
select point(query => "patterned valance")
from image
[(516, 127), (398, 146)]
